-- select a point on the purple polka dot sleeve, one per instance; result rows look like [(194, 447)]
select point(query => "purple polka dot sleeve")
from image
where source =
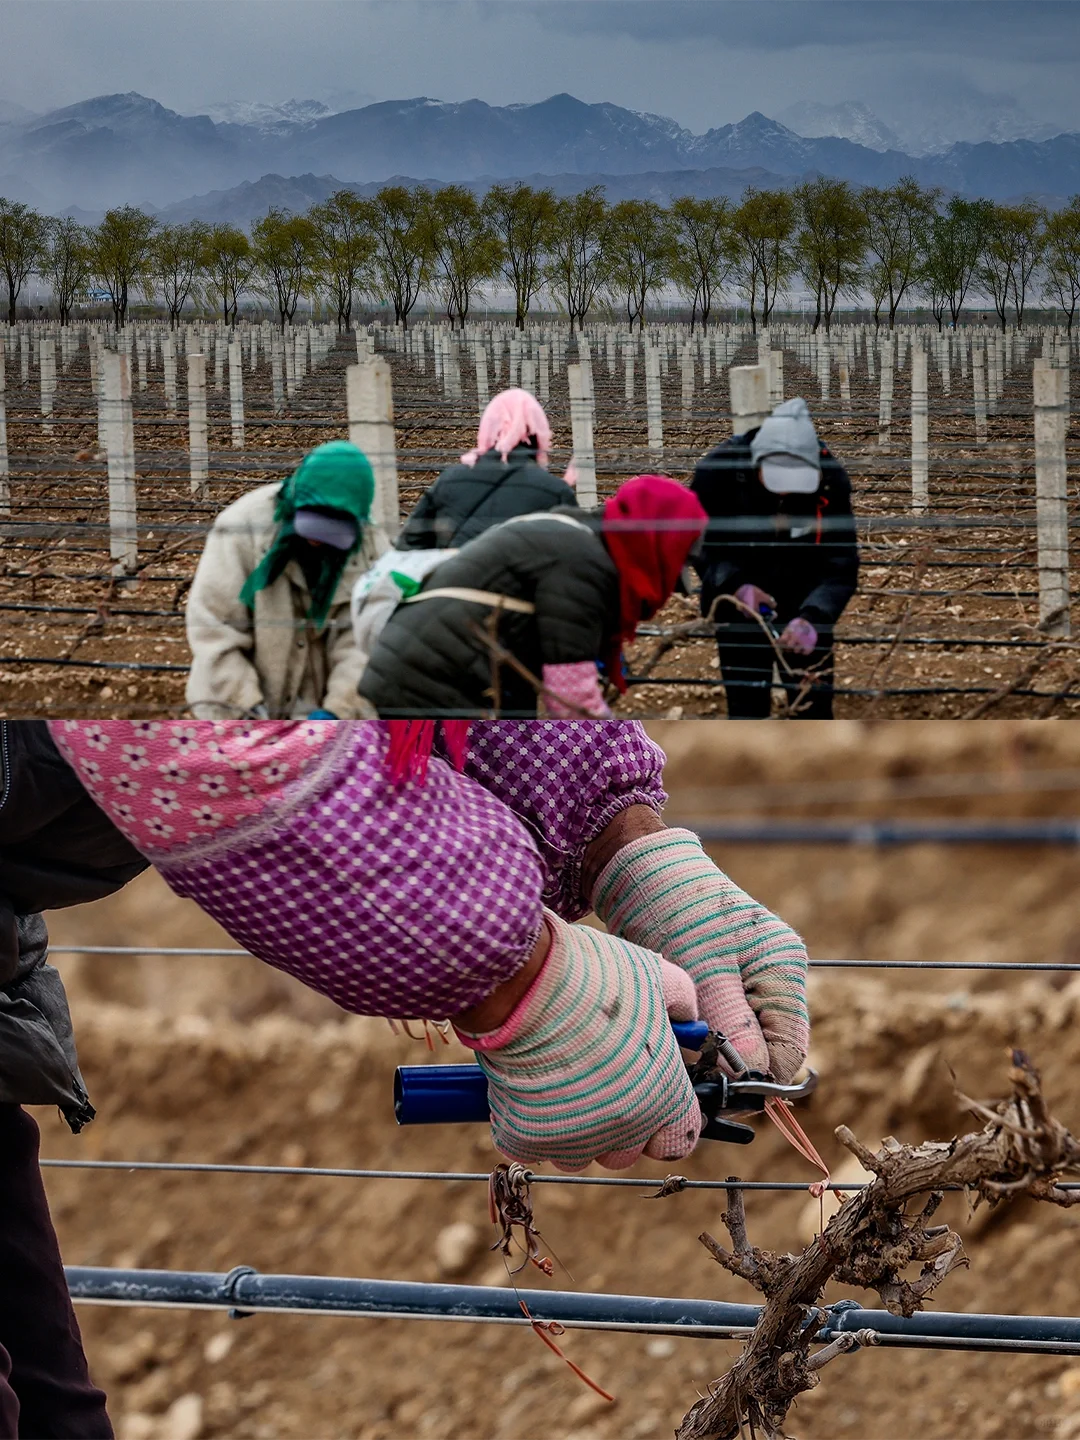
[(566, 780)]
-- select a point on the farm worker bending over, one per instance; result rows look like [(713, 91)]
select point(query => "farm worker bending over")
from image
[(505, 475), (781, 540), (56, 849), (406, 874), (268, 614), (558, 592)]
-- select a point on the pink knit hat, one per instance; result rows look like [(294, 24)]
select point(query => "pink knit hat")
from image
[(510, 419)]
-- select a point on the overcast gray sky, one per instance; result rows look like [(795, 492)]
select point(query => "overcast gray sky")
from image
[(702, 62)]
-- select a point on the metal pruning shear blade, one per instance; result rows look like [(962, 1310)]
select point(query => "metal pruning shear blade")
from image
[(746, 1092)]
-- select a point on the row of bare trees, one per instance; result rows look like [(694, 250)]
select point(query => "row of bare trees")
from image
[(892, 245)]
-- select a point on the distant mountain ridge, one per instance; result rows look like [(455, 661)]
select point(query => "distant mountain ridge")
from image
[(247, 202), (129, 148)]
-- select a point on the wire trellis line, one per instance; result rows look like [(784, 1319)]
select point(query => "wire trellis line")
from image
[(209, 952)]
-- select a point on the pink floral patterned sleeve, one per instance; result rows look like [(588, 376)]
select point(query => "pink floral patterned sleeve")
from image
[(167, 784)]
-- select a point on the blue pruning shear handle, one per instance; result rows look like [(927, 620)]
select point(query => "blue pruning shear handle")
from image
[(453, 1094)]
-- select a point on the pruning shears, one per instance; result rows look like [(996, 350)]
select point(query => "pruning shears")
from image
[(453, 1094)]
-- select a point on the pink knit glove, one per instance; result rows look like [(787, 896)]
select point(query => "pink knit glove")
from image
[(800, 636), (587, 1067), (755, 599), (574, 689), (664, 892)]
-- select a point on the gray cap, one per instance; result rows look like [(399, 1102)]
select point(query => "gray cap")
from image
[(338, 530), (788, 431)]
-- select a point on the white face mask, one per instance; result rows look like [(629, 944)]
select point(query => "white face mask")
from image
[(785, 475)]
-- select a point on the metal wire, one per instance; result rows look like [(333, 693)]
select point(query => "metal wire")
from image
[(1022, 965), (477, 1177)]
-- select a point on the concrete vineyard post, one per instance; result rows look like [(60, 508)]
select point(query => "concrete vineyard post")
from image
[(1051, 510), (168, 365), (288, 347), (885, 392), (120, 443), (236, 394), (370, 400), (653, 400), (748, 386), (198, 448), (46, 353), (686, 366), (5, 487), (277, 384), (845, 386), (978, 375), (581, 428), (920, 420), (528, 375), (628, 381), (480, 365), (776, 377), (545, 372), (824, 364)]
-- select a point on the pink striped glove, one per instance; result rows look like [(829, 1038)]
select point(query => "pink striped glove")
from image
[(587, 1067), (574, 691), (663, 891)]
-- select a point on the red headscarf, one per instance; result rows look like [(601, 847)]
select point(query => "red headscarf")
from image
[(650, 526), (411, 743)]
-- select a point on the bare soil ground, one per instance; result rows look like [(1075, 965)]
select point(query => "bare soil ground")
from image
[(226, 1060), (947, 592)]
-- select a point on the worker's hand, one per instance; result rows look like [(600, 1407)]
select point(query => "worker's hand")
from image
[(586, 1067), (662, 891), (321, 715), (755, 599), (800, 636)]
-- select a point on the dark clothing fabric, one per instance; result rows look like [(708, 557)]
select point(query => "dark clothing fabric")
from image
[(466, 500), (56, 849), (801, 549), (429, 661), (746, 665), (45, 1388)]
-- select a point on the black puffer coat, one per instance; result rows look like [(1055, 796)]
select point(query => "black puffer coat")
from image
[(429, 661), (801, 549), (56, 849), (467, 499)]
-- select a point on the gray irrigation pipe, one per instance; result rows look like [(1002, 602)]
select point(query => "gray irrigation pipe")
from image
[(244, 1291)]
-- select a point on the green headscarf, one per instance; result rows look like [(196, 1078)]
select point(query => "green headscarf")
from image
[(334, 476)]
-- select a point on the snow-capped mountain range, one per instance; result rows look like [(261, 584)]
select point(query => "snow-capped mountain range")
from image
[(129, 148)]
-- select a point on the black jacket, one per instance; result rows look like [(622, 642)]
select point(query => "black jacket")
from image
[(801, 549), (429, 661), (467, 499), (56, 849)]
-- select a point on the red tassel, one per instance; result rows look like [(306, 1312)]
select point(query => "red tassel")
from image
[(456, 739), (411, 743)]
